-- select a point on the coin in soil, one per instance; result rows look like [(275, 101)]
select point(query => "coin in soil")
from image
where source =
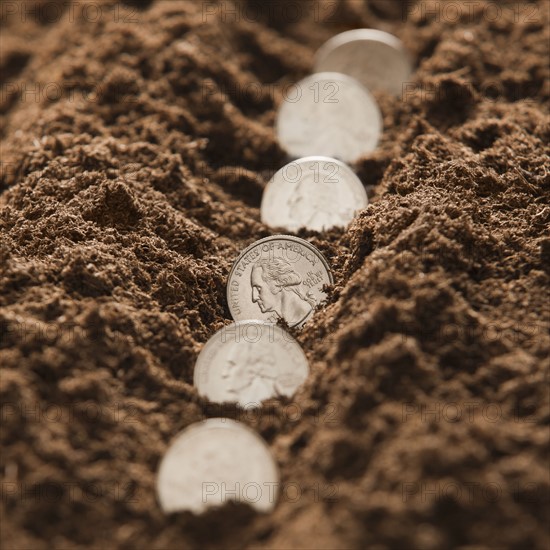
[(313, 192), (279, 277), (329, 114), (377, 59), (215, 461), (248, 362)]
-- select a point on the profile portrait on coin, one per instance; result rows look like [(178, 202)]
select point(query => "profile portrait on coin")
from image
[(252, 374), (275, 288), (249, 362), (315, 205), (315, 192), (278, 277)]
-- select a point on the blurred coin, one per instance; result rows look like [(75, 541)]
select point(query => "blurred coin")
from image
[(215, 461), (375, 58), (329, 114), (248, 362), (279, 277), (313, 192)]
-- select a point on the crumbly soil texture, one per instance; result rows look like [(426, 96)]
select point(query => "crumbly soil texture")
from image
[(137, 138)]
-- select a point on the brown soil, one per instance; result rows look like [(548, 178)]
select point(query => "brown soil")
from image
[(132, 178)]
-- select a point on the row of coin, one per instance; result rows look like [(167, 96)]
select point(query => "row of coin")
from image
[(282, 277), (244, 363), (332, 115), (332, 112)]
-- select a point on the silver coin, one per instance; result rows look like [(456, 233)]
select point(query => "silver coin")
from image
[(248, 362), (215, 461), (313, 192), (375, 58), (279, 277), (329, 114)]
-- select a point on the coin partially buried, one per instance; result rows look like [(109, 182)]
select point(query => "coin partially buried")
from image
[(313, 192), (248, 362), (215, 461), (279, 277), (329, 114), (375, 58)]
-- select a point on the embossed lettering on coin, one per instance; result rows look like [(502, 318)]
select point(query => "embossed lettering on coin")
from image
[(215, 461), (248, 362), (375, 58), (329, 114), (313, 192), (280, 277)]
